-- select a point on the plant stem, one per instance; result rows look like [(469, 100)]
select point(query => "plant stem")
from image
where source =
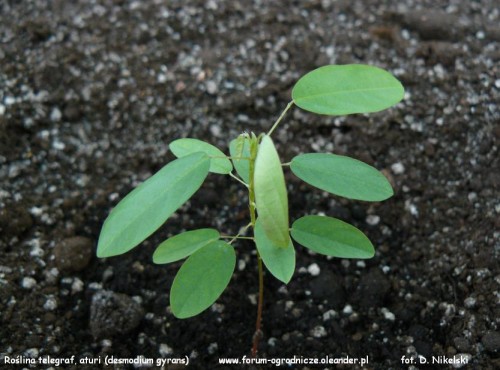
[(253, 218), (280, 118), (258, 332)]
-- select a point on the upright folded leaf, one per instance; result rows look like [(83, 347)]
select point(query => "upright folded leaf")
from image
[(346, 89), (270, 194), (342, 176), (332, 237), (239, 149), (202, 279), (219, 163), (149, 205), (182, 245), (279, 261)]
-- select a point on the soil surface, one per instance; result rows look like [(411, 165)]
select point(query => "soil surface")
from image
[(92, 92)]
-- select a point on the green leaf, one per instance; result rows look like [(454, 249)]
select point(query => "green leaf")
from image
[(270, 193), (240, 148), (183, 245), (184, 147), (202, 279), (279, 261), (342, 176), (332, 237), (346, 89), (149, 205)]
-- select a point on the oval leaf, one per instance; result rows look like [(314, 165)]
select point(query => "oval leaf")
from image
[(240, 148), (270, 193), (332, 237), (279, 261), (183, 245), (342, 176), (346, 89), (202, 279), (149, 205), (183, 147)]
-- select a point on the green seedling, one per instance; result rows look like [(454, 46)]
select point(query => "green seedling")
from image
[(211, 258)]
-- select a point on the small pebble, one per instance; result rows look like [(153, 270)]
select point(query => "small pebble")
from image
[(318, 332), (271, 342), (28, 283), (388, 315), (113, 313), (330, 314), (347, 310), (32, 352), (491, 341), (73, 254), (165, 350), (314, 269), (470, 302), (212, 348), (372, 220), (50, 304), (211, 87), (460, 360), (398, 168), (55, 115), (77, 286)]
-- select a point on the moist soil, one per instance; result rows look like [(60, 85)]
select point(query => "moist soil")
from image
[(92, 92)]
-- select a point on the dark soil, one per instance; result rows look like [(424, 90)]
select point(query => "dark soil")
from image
[(92, 92)]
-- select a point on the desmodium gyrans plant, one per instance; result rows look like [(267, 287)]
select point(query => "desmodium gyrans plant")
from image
[(211, 258)]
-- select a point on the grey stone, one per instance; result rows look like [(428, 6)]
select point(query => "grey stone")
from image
[(113, 313)]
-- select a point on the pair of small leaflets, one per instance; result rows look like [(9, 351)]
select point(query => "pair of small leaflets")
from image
[(203, 276), (338, 90)]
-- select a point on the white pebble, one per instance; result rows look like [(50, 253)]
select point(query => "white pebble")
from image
[(347, 309), (318, 332), (330, 314), (2, 109), (470, 302), (28, 282), (9, 100), (36, 211), (460, 360), (217, 307), (314, 269), (162, 78), (58, 145), (165, 350), (398, 168), (211, 87), (252, 298), (241, 265), (388, 315), (212, 347), (215, 130), (360, 264), (55, 115), (31, 352), (50, 304), (77, 286), (272, 341), (106, 343), (372, 220)]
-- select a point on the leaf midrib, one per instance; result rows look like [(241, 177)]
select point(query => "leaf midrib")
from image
[(308, 97)]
